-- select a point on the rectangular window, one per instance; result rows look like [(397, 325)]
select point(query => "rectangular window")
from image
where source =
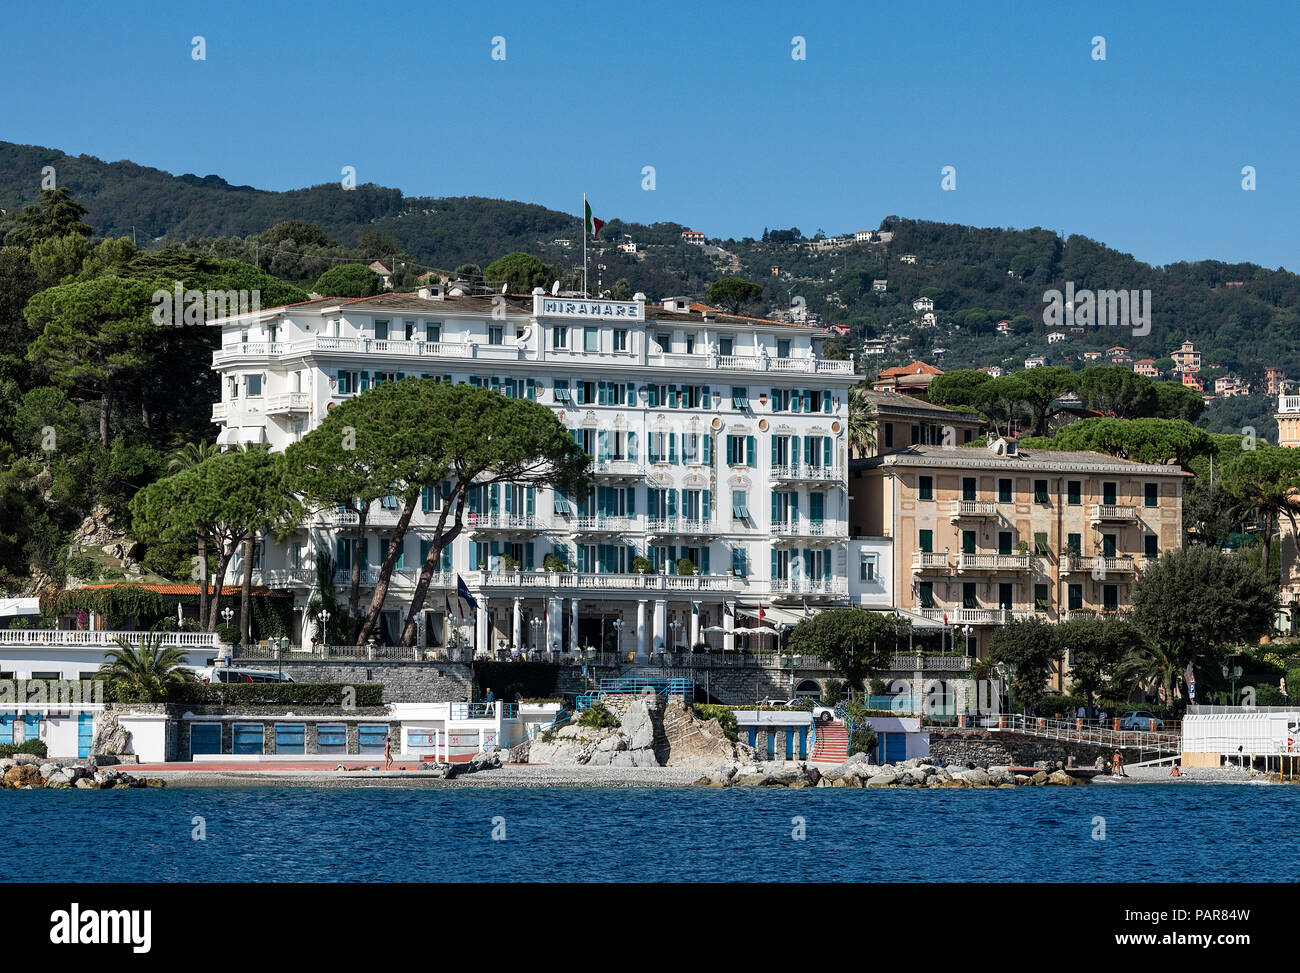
[(1110, 597), (559, 336), (968, 488), (1074, 543), (496, 334), (246, 738), (782, 347), (1004, 542), (290, 738), (433, 331), (1073, 493), (1109, 494), (591, 339), (1151, 494), (1074, 596), (371, 737), (739, 398), (867, 568), (1005, 490), (254, 385), (726, 346), (1040, 543), (740, 562), (381, 330), (925, 488), (889, 435), (969, 597), (925, 590), (1040, 491), (926, 541), (1042, 600), (1151, 545), (620, 339), (739, 508), (331, 738)]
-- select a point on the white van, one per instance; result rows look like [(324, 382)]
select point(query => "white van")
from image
[(229, 674)]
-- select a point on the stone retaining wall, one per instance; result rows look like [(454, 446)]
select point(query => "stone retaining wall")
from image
[(403, 682), (997, 749)]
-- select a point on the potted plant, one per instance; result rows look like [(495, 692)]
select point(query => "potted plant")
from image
[(641, 565), (685, 566)]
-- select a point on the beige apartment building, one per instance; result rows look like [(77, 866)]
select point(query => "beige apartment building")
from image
[(982, 535)]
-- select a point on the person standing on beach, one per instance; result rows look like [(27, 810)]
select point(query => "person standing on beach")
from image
[(388, 752)]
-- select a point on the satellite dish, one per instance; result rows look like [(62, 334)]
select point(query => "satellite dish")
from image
[(555, 288)]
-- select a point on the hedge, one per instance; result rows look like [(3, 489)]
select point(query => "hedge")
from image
[(35, 747), (279, 694)]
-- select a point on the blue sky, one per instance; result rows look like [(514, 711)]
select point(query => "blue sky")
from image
[(1142, 151)]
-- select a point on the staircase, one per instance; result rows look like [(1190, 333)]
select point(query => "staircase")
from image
[(832, 743)]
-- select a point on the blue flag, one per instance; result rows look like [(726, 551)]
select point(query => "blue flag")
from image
[(462, 592)]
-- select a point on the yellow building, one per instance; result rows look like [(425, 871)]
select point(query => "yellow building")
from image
[(983, 535)]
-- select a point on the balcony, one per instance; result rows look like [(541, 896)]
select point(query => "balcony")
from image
[(1288, 403), (680, 527), (576, 585), (927, 561), (750, 363), (401, 578), (823, 587), (603, 525), (808, 474), (973, 509), (789, 531), (287, 402), (1074, 615), (219, 411), (992, 562), (1099, 566), (976, 616), (1113, 513), (512, 523), (617, 469), (248, 350), (383, 517)]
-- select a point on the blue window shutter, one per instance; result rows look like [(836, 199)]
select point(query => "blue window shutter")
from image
[(826, 565), (341, 551), (631, 447), (510, 494), (425, 547), (704, 559), (751, 449), (602, 444), (365, 381), (446, 558), (672, 447), (494, 498), (776, 400), (816, 507), (473, 555), (731, 451), (364, 544), (708, 449), (807, 400), (528, 556), (652, 396), (794, 401), (794, 507), (672, 502), (400, 564), (531, 386), (807, 562), (582, 557), (826, 401), (530, 501), (774, 564), (631, 501), (706, 397), (446, 489), (776, 442), (826, 450), (807, 450), (706, 506), (776, 507), (425, 499)]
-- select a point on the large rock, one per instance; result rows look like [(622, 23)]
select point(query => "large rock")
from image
[(110, 736), (883, 780), (638, 726), (23, 775)]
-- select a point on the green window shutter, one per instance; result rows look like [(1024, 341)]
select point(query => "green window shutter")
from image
[(672, 447), (751, 451), (807, 450), (827, 455), (774, 564), (706, 507), (776, 442), (826, 402), (631, 447), (531, 386), (776, 507), (672, 503), (708, 449)]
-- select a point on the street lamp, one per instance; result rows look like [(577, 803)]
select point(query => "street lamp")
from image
[(324, 618), (1233, 672), (966, 642), (676, 627), (618, 625), (535, 624)]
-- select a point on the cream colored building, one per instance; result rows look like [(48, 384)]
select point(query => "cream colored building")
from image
[(984, 535)]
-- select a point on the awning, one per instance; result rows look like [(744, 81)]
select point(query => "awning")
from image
[(771, 614), (920, 621), (11, 607)]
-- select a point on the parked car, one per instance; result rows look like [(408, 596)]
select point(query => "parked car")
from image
[(1140, 720), (823, 714), (773, 701), (226, 674)]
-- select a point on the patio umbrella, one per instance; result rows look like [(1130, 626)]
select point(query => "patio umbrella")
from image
[(761, 630)]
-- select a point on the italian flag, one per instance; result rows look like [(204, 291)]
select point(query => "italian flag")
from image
[(593, 225)]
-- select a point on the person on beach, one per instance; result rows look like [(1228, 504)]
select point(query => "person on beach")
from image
[(1174, 771), (388, 753)]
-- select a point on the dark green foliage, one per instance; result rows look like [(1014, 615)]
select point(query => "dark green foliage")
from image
[(280, 694), (348, 280), (36, 747), (597, 717)]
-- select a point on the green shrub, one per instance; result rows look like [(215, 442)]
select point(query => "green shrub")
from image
[(725, 715), (641, 565), (35, 747), (833, 692), (597, 717), (80, 566), (279, 694), (862, 740), (554, 563)]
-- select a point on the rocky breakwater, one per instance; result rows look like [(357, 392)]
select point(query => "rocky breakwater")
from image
[(648, 735), (480, 761), (54, 775), (858, 771)]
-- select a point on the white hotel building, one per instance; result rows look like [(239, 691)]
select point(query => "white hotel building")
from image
[(716, 439)]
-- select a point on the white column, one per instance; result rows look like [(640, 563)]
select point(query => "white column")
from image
[(482, 637), (518, 634), (729, 623), (695, 629), (554, 622), (573, 623), (661, 634), (640, 632)]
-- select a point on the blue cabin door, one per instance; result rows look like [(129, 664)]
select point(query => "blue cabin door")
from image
[(85, 733), (893, 747)]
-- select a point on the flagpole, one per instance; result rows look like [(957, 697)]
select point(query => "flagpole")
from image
[(584, 245)]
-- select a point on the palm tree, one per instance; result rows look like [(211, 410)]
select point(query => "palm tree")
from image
[(1267, 501), (862, 421), (190, 455), (145, 673), (1152, 668)]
